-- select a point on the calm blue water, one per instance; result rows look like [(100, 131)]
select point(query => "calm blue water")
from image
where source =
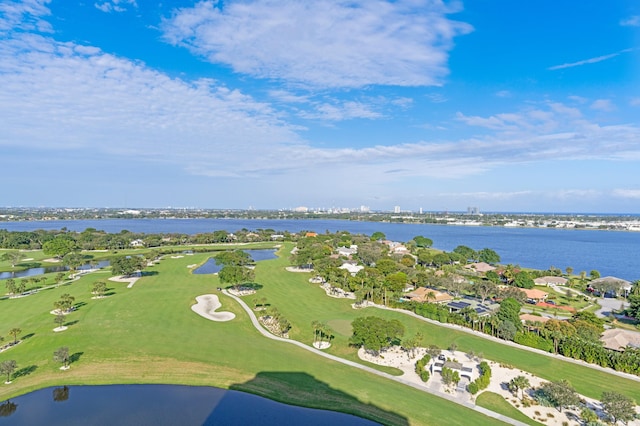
[(610, 252), (39, 271), (210, 266), (139, 405)]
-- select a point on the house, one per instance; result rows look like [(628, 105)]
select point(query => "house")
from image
[(550, 281), (533, 322), (137, 243), (424, 294), (618, 339), (351, 267), (535, 294), (347, 251), (311, 234), (614, 286), (481, 267), (396, 247)]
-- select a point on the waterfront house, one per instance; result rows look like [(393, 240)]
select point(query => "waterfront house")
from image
[(535, 294), (550, 281), (618, 339)]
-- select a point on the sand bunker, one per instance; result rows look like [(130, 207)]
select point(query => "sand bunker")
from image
[(122, 279), (207, 306)]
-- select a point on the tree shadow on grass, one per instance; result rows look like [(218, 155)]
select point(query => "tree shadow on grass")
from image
[(302, 389), (148, 273), (75, 357), (70, 323), (25, 371), (27, 336)]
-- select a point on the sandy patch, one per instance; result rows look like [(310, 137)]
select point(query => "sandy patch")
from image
[(58, 329), (206, 307), (52, 260), (122, 279), (321, 345), (337, 292), (295, 269), (192, 266), (26, 259), (177, 257)]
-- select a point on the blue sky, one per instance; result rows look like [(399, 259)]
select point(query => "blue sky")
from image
[(505, 105)]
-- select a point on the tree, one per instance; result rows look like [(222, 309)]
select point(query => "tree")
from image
[(12, 288), (450, 376), (61, 355), (594, 274), (523, 280), (422, 242), (377, 236), (488, 256), (619, 407), (235, 275), (13, 257), (99, 288), (65, 303), (234, 258), (519, 383), (59, 246), (588, 416), (374, 333), (59, 320), (484, 289), (14, 332), (507, 330), (73, 260), (510, 310), (467, 252), (126, 265), (561, 394), (8, 367)]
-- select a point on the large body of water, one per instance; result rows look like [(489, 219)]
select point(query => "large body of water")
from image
[(135, 405), (609, 252)]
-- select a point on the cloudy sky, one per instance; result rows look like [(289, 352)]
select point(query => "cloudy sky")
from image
[(504, 105)]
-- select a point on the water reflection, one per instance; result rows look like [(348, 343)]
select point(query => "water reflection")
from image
[(7, 409), (210, 266), (61, 394), (49, 269)]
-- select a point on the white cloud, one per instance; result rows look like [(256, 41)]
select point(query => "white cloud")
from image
[(24, 15), (115, 5), (503, 94), (626, 193), (632, 21), (341, 111), (589, 61), (634, 102), (324, 43), (603, 105)]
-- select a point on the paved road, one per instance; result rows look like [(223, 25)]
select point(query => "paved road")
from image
[(422, 388)]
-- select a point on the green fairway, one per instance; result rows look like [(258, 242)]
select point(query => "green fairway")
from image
[(495, 402), (148, 334)]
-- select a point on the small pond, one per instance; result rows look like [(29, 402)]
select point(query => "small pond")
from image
[(159, 405), (210, 267), (49, 269)]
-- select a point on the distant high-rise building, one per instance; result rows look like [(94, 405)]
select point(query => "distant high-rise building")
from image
[(473, 210), (396, 209), (364, 209), (420, 210)]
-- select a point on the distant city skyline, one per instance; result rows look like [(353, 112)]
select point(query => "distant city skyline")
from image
[(422, 105)]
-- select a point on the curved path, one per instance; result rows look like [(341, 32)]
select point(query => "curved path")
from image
[(448, 397)]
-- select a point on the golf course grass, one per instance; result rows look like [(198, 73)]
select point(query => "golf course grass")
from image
[(148, 334), (495, 402)]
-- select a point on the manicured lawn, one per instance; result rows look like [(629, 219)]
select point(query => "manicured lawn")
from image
[(148, 334), (495, 402)]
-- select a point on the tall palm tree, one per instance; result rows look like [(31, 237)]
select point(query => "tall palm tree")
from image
[(14, 332)]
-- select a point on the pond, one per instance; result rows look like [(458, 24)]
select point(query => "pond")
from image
[(210, 266), (159, 405), (49, 269)]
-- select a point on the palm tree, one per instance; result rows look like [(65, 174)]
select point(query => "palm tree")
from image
[(519, 383), (14, 332)]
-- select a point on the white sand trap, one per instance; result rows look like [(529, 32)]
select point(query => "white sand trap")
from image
[(121, 279), (321, 345), (27, 259), (192, 266), (58, 329), (207, 306), (177, 257)]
